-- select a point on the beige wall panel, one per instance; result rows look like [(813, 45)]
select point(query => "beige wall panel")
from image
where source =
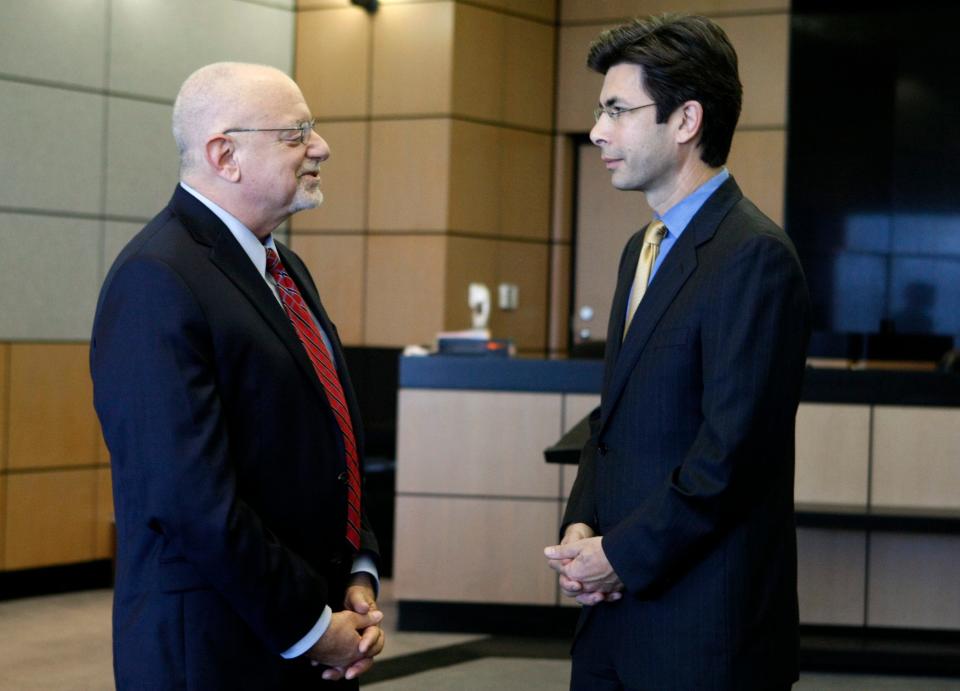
[(559, 328), (77, 29), (477, 442), (525, 184), (52, 421), (758, 162), (4, 412), (469, 260), (913, 581), (831, 576), (476, 184), (46, 176), (409, 175), (116, 237), (479, 47), (453, 549), (762, 45), (140, 179), (915, 457), (156, 44), (332, 61), (499, 181), (325, 4), (50, 518), (538, 9), (578, 88), (103, 540), (564, 157), (575, 408), (833, 453), (595, 10), (503, 68), (405, 284), (344, 181), (528, 75), (413, 58), (3, 520), (526, 265), (64, 251), (337, 265)]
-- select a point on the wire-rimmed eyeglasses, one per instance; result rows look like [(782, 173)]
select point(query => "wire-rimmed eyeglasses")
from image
[(615, 113), (305, 128)]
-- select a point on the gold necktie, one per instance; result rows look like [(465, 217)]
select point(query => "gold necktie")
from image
[(648, 255)]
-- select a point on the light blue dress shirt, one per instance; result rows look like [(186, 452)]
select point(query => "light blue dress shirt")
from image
[(679, 216)]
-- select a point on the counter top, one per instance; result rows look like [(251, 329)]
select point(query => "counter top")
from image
[(871, 387)]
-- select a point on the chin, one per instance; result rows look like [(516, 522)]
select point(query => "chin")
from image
[(306, 200)]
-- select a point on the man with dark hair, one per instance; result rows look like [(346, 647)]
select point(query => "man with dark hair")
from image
[(679, 533)]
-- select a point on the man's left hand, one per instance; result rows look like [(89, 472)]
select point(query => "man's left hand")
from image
[(360, 598), (584, 561)]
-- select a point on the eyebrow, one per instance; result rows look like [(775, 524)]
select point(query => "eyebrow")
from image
[(612, 101)]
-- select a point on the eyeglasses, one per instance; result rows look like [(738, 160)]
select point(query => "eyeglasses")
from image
[(615, 113), (305, 129)]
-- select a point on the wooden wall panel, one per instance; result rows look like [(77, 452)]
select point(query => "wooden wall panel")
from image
[(413, 59), (404, 299), (913, 581), (831, 576), (332, 61), (409, 175), (50, 518), (477, 442), (593, 10), (833, 453), (103, 538), (4, 403), (915, 457), (52, 422), (758, 161), (463, 539)]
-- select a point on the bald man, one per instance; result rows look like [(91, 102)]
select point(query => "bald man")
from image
[(244, 556)]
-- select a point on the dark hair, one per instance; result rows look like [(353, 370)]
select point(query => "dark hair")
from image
[(684, 58)]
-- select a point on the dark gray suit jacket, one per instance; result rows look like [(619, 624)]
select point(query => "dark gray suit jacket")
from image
[(690, 468)]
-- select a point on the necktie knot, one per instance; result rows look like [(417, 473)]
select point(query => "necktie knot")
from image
[(273, 262), (655, 233)]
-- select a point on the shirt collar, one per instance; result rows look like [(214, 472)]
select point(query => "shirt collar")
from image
[(251, 244), (678, 217)]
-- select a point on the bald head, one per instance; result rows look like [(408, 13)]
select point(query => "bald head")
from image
[(218, 97)]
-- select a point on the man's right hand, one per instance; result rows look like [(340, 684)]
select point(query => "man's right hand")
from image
[(339, 646)]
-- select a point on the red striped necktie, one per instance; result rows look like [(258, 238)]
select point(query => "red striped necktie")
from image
[(309, 335)]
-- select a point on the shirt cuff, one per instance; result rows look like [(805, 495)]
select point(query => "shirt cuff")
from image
[(364, 563), (307, 642)]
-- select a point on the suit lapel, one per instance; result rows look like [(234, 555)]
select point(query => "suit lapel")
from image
[(676, 269), (228, 256)]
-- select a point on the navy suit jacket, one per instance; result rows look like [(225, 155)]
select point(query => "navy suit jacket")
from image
[(228, 465), (689, 472)]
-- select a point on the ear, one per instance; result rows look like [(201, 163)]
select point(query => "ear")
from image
[(221, 156), (691, 122)]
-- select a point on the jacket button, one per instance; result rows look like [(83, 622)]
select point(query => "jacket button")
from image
[(342, 477), (602, 449)]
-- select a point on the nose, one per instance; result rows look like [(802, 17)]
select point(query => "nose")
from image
[(317, 147), (598, 132)]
